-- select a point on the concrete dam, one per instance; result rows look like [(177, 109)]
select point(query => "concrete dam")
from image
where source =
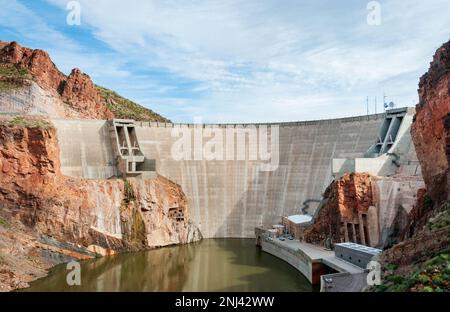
[(229, 197)]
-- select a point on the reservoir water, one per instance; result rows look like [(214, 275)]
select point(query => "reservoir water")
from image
[(211, 265)]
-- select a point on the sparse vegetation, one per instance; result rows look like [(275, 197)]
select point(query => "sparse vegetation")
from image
[(391, 266), (13, 72), (440, 221), (12, 77), (26, 122), (4, 223), (126, 109), (430, 276), (129, 195), (428, 202)]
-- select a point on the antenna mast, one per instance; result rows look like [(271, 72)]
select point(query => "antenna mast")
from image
[(367, 104), (375, 105)]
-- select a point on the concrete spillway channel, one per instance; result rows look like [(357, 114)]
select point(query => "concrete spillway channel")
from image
[(229, 197)]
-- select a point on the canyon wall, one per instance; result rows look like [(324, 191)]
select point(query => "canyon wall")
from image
[(428, 130), (103, 216), (428, 230)]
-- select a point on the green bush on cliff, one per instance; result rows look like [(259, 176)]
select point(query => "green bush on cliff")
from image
[(391, 266), (428, 202), (4, 223), (441, 221)]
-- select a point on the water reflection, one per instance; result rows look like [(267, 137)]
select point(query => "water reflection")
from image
[(211, 265)]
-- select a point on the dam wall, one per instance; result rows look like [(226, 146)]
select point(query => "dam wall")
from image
[(85, 149), (229, 198)]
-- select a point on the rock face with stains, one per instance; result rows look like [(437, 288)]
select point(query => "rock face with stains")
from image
[(428, 229), (89, 216), (428, 130)]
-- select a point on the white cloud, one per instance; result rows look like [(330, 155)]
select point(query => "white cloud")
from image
[(264, 60), (24, 22)]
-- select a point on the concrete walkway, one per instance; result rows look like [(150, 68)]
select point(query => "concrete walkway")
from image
[(342, 265), (320, 254)]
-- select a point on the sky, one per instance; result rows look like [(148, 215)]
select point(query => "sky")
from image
[(229, 61)]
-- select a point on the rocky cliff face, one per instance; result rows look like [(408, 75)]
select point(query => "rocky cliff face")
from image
[(89, 217), (37, 62), (428, 130), (54, 94), (424, 252), (79, 92), (346, 199)]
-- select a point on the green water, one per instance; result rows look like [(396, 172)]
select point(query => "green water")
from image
[(211, 265)]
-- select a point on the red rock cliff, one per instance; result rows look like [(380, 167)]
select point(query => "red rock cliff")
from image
[(429, 230), (77, 90), (347, 199), (428, 131), (37, 62), (80, 93)]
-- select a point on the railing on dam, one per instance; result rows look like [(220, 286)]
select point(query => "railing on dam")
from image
[(280, 124)]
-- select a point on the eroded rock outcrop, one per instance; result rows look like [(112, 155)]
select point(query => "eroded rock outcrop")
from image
[(348, 199), (80, 93), (36, 62)]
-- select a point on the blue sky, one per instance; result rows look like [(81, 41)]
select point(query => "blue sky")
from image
[(240, 61)]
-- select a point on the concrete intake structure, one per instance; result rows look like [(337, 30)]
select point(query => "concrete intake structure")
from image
[(229, 198)]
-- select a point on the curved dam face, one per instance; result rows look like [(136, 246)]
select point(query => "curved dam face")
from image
[(230, 197)]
